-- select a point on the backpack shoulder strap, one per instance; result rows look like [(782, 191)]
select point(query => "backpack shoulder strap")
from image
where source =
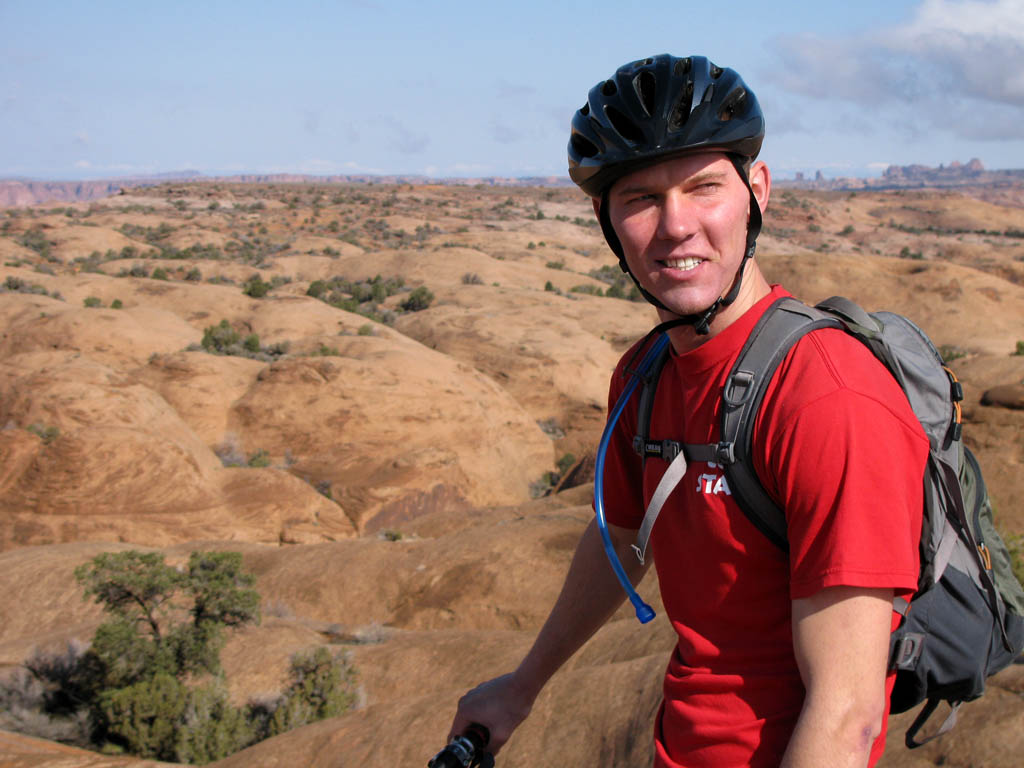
[(649, 385), (780, 327)]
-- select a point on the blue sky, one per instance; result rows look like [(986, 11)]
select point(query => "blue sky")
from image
[(452, 88)]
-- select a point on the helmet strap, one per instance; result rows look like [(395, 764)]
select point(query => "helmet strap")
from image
[(701, 321)]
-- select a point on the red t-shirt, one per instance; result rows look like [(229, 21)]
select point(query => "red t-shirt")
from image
[(840, 450)]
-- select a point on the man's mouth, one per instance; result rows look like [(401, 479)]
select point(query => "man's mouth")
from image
[(684, 264)]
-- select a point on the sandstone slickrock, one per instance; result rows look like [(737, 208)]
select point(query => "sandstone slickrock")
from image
[(381, 479)]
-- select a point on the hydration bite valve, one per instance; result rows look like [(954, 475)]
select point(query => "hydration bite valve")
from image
[(466, 751)]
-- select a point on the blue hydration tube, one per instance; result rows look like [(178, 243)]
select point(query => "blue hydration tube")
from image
[(644, 612)]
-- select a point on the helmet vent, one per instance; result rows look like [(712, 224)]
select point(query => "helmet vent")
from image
[(682, 110), (625, 127), (682, 67), (609, 89), (585, 109), (645, 85), (583, 147), (733, 103), (716, 72)]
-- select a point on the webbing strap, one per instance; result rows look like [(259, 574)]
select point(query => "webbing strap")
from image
[(677, 454), (666, 485), (922, 718), (947, 543)]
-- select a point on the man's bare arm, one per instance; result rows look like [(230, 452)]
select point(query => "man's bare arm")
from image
[(841, 642), (589, 597)]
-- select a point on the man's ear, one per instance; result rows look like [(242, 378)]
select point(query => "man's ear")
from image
[(760, 184)]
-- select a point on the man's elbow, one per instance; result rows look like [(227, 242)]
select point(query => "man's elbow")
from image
[(860, 722)]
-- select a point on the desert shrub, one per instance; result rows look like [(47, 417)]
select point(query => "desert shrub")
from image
[(116, 304), (143, 719), (194, 275), (276, 350), (472, 278), (14, 284), (256, 287), (34, 699), (367, 329), (591, 290), (565, 463), (951, 352), (362, 296), (46, 434), (543, 486), (136, 270), (159, 274), (620, 286), (418, 300), (322, 686), (220, 338), (37, 241), (92, 302), (144, 685), (259, 459)]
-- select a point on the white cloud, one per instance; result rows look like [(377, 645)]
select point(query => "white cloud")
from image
[(977, 18), (956, 66)]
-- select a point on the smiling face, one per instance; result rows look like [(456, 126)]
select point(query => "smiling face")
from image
[(683, 228)]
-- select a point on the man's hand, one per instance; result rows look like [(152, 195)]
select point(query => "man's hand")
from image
[(500, 705)]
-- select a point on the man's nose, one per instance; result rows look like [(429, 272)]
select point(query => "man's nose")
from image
[(676, 217)]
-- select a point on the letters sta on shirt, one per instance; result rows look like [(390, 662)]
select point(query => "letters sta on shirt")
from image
[(713, 481)]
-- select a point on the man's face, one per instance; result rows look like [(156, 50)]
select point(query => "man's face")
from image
[(683, 228)]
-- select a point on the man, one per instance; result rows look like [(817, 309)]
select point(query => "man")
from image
[(781, 658)]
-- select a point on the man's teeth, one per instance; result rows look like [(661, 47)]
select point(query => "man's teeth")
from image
[(684, 264)]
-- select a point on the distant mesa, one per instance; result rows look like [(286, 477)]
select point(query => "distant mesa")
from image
[(24, 192), (956, 174)]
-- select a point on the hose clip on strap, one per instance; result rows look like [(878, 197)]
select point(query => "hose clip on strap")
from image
[(662, 449)]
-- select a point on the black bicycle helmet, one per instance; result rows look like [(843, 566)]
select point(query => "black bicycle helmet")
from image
[(657, 108)]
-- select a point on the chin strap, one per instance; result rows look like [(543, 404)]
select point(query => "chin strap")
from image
[(701, 321)]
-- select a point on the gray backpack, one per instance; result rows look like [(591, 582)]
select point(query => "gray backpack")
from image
[(964, 622)]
